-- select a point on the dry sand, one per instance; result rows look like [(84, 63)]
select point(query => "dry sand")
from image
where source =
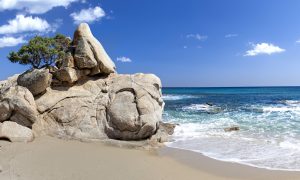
[(53, 159)]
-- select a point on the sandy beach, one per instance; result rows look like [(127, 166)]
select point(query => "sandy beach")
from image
[(49, 158)]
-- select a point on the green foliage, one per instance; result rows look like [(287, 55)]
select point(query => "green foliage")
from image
[(41, 51)]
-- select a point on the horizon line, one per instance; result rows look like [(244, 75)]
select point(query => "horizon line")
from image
[(275, 86)]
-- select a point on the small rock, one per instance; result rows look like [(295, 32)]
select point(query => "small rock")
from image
[(233, 128), (163, 133), (209, 103)]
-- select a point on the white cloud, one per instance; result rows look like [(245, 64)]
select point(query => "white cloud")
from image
[(10, 41), (185, 47), (88, 15), (231, 35), (34, 6), (298, 41), (263, 48), (124, 59), (197, 36), (25, 24)]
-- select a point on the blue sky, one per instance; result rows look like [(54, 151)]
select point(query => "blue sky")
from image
[(184, 42)]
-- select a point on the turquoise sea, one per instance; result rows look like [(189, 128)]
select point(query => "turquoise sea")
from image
[(268, 117)]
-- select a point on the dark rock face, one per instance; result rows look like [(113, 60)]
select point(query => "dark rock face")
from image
[(233, 128), (80, 105)]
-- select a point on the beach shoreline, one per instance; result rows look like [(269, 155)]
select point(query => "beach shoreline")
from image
[(52, 158), (224, 169)]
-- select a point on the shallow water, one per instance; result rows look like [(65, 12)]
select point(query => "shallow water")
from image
[(269, 121)]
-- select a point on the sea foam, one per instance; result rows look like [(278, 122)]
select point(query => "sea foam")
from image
[(269, 135)]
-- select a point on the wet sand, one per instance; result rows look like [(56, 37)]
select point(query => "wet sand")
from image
[(49, 158)]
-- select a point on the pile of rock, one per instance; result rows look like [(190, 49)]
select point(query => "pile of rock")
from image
[(88, 58), (82, 98)]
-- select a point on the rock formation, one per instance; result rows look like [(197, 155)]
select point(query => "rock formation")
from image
[(86, 99), (15, 132), (36, 80), (89, 53)]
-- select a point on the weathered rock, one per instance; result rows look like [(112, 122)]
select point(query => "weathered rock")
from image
[(168, 128), (15, 132), (5, 111), (36, 80), (10, 82), (135, 106), (70, 75), (68, 61), (163, 133), (126, 107), (17, 104), (89, 53), (81, 106), (73, 112), (123, 112)]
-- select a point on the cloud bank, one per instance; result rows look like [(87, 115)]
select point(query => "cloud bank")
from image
[(25, 24), (263, 48), (10, 41), (34, 6), (88, 15)]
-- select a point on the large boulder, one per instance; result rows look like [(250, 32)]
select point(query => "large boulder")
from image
[(17, 104), (89, 53), (15, 132), (135, 107), (36, 80), (126, 107)]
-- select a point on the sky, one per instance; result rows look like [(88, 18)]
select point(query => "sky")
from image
[(187, 43)]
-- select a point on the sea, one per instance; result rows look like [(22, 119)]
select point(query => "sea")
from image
[(268, 119)]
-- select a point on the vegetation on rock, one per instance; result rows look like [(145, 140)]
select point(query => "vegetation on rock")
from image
[(41, 51)]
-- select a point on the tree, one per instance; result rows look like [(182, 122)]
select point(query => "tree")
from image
[(41, 52)]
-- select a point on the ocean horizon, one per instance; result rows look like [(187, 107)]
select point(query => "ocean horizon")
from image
[(268, 119)]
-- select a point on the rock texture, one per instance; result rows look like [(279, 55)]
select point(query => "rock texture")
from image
[(126, 107), (15, 132), (165, 130), (80, 105), (70, 75), (89, 52), (36, 80), (17, 104), (135, 107)]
